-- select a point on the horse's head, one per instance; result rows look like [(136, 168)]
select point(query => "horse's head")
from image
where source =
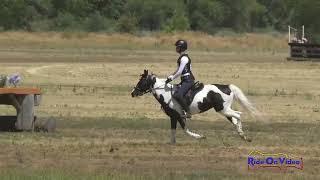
[(144, 85)]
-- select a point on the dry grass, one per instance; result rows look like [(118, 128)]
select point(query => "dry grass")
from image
[(197, 40), (105, 134)]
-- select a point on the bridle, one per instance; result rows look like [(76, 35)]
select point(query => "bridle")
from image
[(142, 92), (150, 89)]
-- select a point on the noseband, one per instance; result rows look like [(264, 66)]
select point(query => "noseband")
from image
[(149, 90), (143, 92)]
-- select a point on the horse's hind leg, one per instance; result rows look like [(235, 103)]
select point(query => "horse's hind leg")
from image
[(234, 118), (240, 131), (228, 112), (238, 125)]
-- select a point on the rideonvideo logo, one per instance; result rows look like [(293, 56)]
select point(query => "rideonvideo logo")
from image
[(280, 161)]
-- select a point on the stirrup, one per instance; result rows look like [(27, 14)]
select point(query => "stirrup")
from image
[(186, 115)]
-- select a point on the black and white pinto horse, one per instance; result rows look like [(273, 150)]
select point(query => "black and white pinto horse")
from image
[(219, 97)]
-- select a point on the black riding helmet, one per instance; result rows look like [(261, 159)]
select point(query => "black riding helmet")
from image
[(182, 44)]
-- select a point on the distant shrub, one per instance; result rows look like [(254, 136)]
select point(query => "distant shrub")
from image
[(66, 21), (178, 22), (41, 25), (96, 22), (127, 24)]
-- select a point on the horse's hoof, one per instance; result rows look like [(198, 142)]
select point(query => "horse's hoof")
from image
[(203, 137), (249, 139)]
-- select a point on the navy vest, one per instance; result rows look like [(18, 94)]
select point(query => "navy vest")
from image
[(186, 72)]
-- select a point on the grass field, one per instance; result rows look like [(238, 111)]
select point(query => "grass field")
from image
[(103, 133)]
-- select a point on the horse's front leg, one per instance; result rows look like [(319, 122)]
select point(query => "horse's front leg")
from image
[(187, 131), (173, 130)]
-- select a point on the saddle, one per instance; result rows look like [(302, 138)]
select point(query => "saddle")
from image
[(195, 88)]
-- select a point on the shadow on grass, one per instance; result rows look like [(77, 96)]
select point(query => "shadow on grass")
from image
[(7, 124)]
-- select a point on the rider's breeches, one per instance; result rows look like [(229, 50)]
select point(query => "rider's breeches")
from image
[(182, 91)]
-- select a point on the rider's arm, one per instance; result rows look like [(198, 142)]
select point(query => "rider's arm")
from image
[(184, 61)]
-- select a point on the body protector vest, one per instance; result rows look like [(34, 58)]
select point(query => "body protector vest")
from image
[(186, 72)]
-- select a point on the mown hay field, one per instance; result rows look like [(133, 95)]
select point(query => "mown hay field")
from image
[(103, 133)]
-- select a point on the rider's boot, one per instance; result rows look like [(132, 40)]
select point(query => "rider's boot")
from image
[(186, 111)]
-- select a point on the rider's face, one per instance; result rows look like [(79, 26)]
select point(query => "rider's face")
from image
[(178, 49)]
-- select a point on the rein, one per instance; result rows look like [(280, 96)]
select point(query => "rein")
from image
[(159, 87), (150, 89)]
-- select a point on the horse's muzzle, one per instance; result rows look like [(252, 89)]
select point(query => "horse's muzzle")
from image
[(134, 93)]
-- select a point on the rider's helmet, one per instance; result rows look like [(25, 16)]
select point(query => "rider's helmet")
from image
[(182, 44)]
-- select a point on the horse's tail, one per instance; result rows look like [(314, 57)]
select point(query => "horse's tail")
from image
[(244, 101)]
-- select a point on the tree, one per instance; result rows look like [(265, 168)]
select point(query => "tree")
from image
[(127, 24), (153, 14), (16, 14), (307, 13), (112, 9), (156, 15), (178, 22), (206, 15)]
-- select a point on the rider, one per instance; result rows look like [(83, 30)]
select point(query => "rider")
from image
[(187, 78)]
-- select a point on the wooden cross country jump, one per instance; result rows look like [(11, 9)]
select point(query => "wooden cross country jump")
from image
[(24, 100)]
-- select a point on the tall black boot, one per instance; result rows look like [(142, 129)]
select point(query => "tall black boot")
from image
[(183, 103), (185, 107)]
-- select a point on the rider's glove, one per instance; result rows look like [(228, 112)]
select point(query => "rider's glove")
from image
[(169, 79)]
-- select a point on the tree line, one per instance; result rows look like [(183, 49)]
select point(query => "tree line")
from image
[(132, 16)]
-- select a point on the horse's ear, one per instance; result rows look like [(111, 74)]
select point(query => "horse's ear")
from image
[(145, 72)]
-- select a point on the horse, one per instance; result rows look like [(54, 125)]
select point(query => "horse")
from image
[(217, 96)]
